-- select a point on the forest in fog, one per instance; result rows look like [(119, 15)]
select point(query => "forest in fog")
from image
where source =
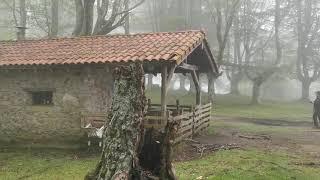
[(266, 49)]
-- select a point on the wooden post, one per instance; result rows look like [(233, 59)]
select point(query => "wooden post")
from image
[(198, 100), (195, 77), (193, 121), (164, 75), (178, 107), (149, 104)]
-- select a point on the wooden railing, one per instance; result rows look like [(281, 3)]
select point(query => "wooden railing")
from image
[(95, 120), (191, 122)]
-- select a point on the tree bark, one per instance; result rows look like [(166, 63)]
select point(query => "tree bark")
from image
[(129, 151), (256, 92)]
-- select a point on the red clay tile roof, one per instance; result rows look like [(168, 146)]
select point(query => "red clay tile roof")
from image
[(166, 46)]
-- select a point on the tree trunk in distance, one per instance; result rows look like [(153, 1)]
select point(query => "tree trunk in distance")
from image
[(21, 35), (192, 85), (182, 81), (305, 93), (150, 82), (131, 152), (256, 92), (54, 29), (234, 86), (79, 18), (211, 87), (127, 20)]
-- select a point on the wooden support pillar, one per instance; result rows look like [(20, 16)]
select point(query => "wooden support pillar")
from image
[(166, 76), (178, 106), (196, 80), (199, 100), (164, 83)]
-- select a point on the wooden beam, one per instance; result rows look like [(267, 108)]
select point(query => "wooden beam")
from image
[(196, 81), (189, 67), (213, 65), (164, 83)]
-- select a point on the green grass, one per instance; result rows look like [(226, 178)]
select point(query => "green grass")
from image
[(234, 106), (239, 106), (246, 165), (235, 164), (55, 165), (250, 164)]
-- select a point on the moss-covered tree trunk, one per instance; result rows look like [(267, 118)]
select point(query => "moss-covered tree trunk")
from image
[(126, 155)]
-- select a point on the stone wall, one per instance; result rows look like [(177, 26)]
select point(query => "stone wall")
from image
[(77, 90)]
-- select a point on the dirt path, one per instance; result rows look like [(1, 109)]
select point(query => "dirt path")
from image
[(266, 122), (295, 137)]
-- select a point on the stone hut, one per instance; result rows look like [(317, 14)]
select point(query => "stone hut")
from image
[(47, 86)]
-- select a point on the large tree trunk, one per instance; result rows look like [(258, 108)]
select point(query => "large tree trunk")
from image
[(129, 151), (305, 93), (234, 85), (211, 87)]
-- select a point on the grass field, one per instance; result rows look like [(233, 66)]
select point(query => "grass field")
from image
[(246, 164), (235, 164), (239, 106)]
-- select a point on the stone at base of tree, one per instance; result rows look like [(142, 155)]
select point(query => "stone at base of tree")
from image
[(131, 152)]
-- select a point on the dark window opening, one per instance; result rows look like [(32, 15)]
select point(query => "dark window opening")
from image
[(42, 98)]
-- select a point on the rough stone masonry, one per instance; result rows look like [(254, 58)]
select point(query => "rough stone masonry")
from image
[(77, 90)]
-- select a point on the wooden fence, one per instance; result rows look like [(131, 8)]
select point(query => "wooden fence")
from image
[(192, 120)]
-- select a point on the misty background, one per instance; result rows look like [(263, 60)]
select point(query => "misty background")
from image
[(266, 49)]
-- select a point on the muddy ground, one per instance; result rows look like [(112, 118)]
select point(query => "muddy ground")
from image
[(296, 137)]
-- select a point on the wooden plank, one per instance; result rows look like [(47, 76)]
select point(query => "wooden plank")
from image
[(189, 67), (189, 127), (183, 123), (202, 111), (170, 105), (154, 117), (183, 116), (181, 137)]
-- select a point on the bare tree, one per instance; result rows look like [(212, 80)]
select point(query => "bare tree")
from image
[(222, 15), (308, 28), (235, 73), (20, 20), (111, 14)]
